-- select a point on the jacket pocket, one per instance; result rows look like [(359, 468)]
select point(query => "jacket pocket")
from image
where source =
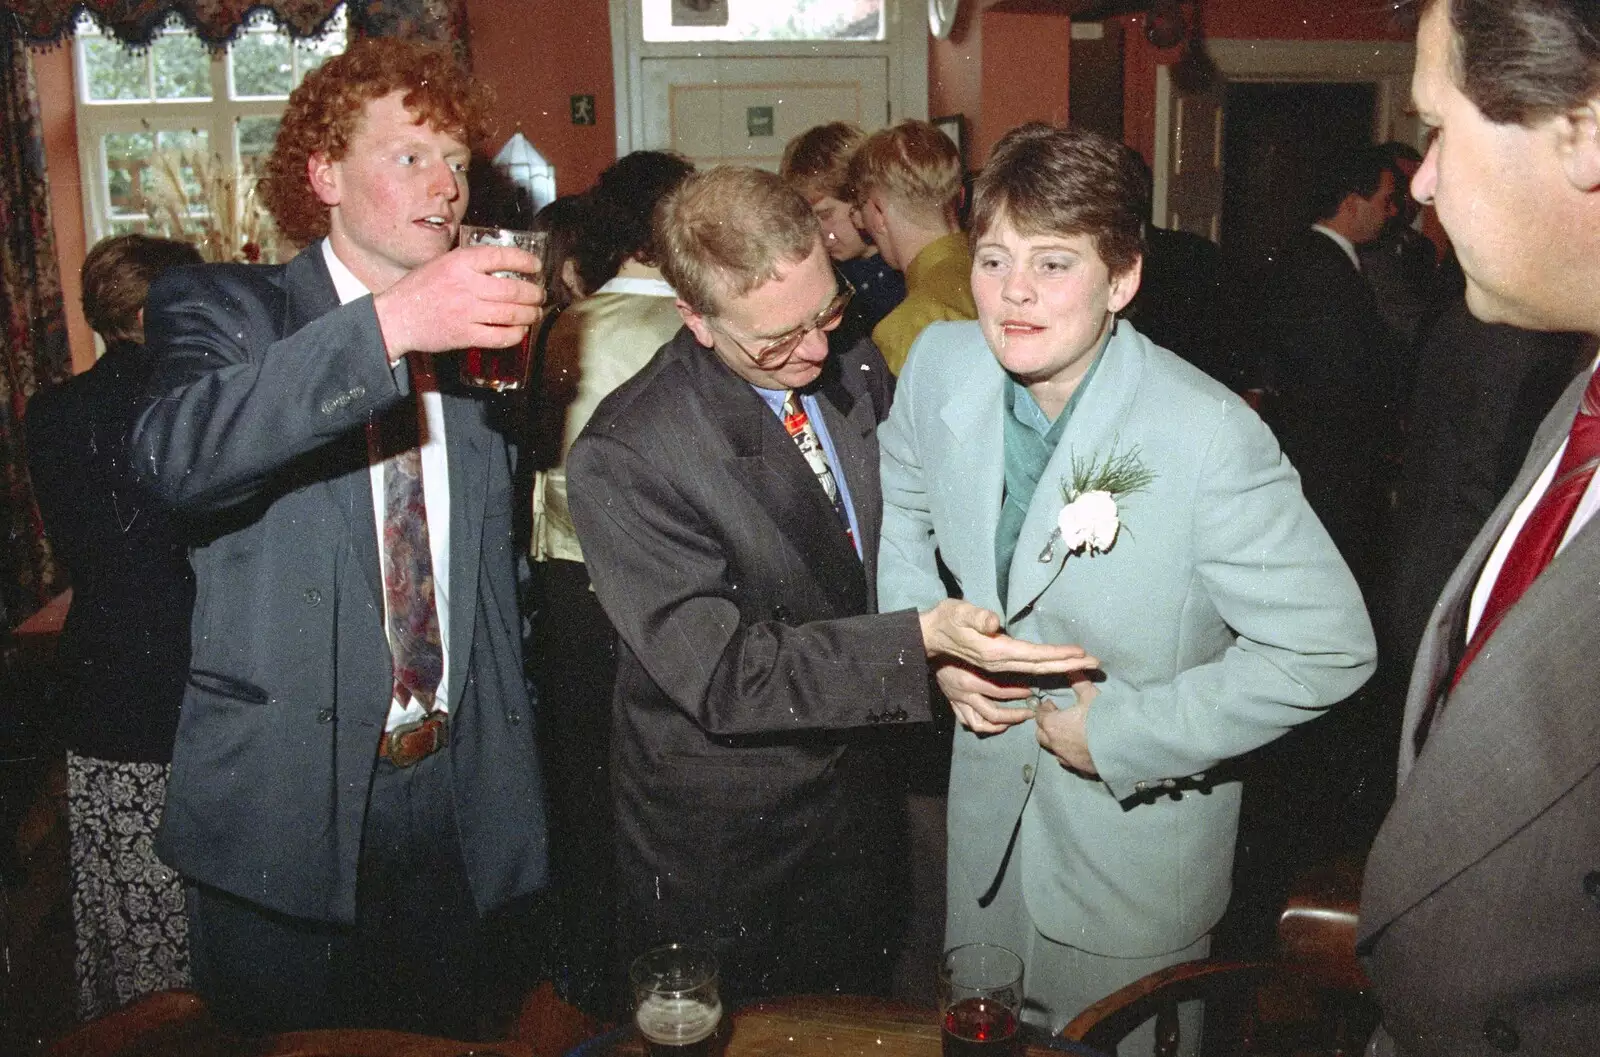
[(227, 686)]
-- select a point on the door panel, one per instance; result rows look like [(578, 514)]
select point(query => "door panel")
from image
[(717, 109), (1194, 193)]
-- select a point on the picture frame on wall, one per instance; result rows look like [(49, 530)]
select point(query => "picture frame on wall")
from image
[(954, 126)]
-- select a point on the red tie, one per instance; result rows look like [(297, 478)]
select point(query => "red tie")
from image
[(1542, 533)]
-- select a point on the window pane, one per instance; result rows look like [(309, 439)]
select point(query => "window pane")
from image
[(256, 135), (765, 20), (261, 65), (177, 153), (182, 66), (127, 158), (113, 71)]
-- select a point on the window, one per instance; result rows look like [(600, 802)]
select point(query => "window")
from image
[(168, 135), (761, 20)]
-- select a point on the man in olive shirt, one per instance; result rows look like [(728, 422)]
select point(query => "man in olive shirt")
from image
[(906, 181)]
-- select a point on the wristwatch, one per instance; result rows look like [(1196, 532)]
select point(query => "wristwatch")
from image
[(941, 16)]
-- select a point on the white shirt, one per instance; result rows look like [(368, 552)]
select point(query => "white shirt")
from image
[(1344, 244), (1587, 506), (435, 492)]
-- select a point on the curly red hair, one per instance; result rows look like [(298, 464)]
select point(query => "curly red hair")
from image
[(324, 112)]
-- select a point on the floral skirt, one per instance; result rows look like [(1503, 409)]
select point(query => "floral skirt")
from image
[(127, 906)]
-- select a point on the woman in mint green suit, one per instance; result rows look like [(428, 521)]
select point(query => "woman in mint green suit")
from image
[(1087, 831)]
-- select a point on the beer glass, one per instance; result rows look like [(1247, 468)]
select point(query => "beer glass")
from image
[(980, 1001), (675, 1001), (501, 369)]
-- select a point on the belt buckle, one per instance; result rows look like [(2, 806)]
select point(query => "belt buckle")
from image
[(399, 752)]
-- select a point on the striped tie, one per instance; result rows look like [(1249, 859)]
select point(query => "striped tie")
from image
[(804, 435)]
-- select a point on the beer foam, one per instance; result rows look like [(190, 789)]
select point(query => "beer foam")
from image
[(676, 1021)]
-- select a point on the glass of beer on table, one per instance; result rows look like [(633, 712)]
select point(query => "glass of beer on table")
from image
[(675, 1003), (980, 1001), (501, 369)]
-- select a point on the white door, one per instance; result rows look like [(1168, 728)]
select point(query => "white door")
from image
[(715, 110), (739, 92), (1192, 162)]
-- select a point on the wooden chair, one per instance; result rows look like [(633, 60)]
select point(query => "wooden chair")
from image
[(1310, 1001)]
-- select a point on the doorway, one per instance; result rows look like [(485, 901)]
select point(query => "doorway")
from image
[(1194, 121)]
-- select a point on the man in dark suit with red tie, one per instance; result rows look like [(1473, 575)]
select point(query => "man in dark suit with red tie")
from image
[(1480, 918), (728, 505)]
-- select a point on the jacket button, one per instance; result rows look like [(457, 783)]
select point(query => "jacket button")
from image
[(780, 613), (325, 715), (513, 718), (1027, 772), (1499, 1033), (1591, 885), (313, 597)]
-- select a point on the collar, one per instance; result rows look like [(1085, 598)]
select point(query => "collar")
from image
[(345, 283), (634, 284), (1344, 244), (936, 255)]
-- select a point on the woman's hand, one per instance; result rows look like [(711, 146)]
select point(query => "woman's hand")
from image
[(1064, 732)]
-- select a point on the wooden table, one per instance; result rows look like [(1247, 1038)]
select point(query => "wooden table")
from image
[(824, 1026)]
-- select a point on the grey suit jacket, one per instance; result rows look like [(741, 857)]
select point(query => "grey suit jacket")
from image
[(255, 431), (1221, 617), (748, 646), (1480, 917)]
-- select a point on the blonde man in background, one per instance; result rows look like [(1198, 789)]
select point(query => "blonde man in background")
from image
[(906, 185), (816, 163)]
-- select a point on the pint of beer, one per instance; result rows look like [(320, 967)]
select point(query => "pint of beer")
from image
[(501, 369), (676, 1005)]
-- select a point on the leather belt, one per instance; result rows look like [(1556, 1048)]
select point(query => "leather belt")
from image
[(417, 740)]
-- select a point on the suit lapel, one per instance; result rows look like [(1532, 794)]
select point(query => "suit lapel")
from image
[(1093, 434), (1443, 638), (769, 466), (309, 296), (464, 433), (972, 473), (852, 427)]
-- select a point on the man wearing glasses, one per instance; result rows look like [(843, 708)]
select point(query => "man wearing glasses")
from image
[(727, 501)]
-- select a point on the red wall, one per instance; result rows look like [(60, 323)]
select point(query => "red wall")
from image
[(955, 84), (52, 72), (537, 56)]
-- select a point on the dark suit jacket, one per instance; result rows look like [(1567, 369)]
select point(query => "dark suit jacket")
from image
[(1480, 914), (124, 652), (1335, 409), (1178, 302), (748, 649), (256, 430), (1482, 390)]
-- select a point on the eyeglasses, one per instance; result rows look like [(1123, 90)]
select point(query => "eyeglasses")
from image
[(773, 352)]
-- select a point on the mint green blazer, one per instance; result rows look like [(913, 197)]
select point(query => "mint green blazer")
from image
[(1222, 616)]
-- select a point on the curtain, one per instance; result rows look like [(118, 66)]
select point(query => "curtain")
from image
[(135, 22), (34, 351)]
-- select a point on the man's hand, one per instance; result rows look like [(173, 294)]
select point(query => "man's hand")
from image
[(979, 702), (453, 302), (960, 631), (1064, 732)]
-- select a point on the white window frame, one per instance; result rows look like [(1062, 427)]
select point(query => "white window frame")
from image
[(218, 117), (904, 45)]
